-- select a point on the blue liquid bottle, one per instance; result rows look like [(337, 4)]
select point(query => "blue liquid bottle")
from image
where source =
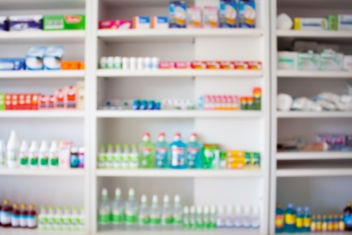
[(290, 219), (194, 152), (299, 220), (307, 220), (177, 153), (279, 219), (161, 152)]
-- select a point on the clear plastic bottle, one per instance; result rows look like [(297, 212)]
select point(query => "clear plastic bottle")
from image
[(212, 218), (44, 155), (104, 211), (60, 220), (67, 219), (75, 218), (101, 156), (247, 216), (229, 222), (125, 155), (143, 218), (12, 150), (117, 210), (299, 220), (220, 218), (109, 157), (348, 216), (155, 213), (133, 158), (51, 218), (166, 216), (42, 219), (255, 218), (206, 218), (117, 157), (24, 154), (131, 211), (194, 152), (161, 152), (199, 218), (82, 219), (54, 155), (185, 216), (177, 213), (238, 218), (146, 151), (192, 218), (178, 153)]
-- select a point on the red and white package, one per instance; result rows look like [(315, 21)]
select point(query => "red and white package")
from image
[(241, 65), (255, 65), (227, 65), (43, 102), (8, 101), (183, 65), (199, 65), (213, 64), (34, 101), (166, 65)]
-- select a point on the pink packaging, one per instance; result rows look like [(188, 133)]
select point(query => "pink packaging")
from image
[(71, 97), (115, 24), (213, 64), (194, 17), (64, 154), (199, 65), (59, 99), (210, 17), (227, 65), (43, 102), (166, 65), (183, 65)]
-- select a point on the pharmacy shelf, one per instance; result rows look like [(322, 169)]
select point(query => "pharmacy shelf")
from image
[(16, 231), (178, 114), (325, 114), (331, 155), (42, 74), (314, 74), (113, 73), (313, 172), (41, 4), (314, 34), (64, 36), (174, 34), (42, 114), (186, 232), (41, 172), (170, 173)]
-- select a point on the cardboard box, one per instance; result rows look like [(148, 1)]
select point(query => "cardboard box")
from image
[(64, 22)]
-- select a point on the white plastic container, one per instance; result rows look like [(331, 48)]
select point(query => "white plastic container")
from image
[(12, 150)]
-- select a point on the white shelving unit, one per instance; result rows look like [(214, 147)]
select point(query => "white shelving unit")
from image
[(305, 178)]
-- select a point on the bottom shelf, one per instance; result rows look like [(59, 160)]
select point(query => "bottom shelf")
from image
[(17, 231)]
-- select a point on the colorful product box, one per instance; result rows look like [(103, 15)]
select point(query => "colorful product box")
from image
[(316, 24), (71, 97), (255, 65), (21, 101), (166, 65), (8, 101), (52, 57), (333, 22), (247, 13), (213, 64), (210, 156), (7, 64), (177, 14), (287, 60), (26, 23), (194, 17), (115, 24), (347, 62), (183, 65), (59, 99), (308, 61), (331, 61), (242, 65), (210, 17), (4, 23), (345, 22), (2, 101), (160, 22), (199, 65), (257, 95), (235, 159), (244, 103), (80, 95), (141, 22), (70, 65), (43, 102), (228, 14), (34, 58), (227, 65)]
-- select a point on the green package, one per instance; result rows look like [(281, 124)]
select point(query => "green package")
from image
[(2, 101), (333, 22), (308, 61), (210, 156), (64, 22)]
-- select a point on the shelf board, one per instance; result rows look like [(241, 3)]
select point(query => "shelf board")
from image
[(332, 155), (42, 114), (114, 73), (40, 172), (62, 36), (182, 173), (187, 232), (16, 231), (314, 34), (313, 172), (42, 74), (41, 5), (178, 114), (173, 34), (314, 74), (324, 114)]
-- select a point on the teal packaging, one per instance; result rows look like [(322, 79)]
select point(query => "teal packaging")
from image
[(228, 14), (247, 13), (290, 219)]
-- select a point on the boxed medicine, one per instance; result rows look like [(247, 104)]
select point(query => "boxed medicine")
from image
[(331, 60), (317, 24), (141, 22), (308, 61), (287, 60), (160, 22), (177, 14), (228, 14), (64, 22)]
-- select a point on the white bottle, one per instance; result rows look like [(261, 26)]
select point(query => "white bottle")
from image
[(206, 217), (67, 219), (246, 217), (117, 157), (238, 220), (24, 154), (103, 62), (126, 153), (12, 150), (59, 219), (185, 218), (166, 216), (229, 223), (155, 213), (101, 156), (131, 210), (220, 220), (199, 218), (192, 218), (43, 155), (125, 63), (212, 218), (117, 209), (54, 155), (75, 219), (255, 218), (133, 157), (2, 154), (51, 218), (110, 156), (177, 213), (82, 219), (140, 63), (143, 218), (133, 63), (104, 211), (33, 154), (110, 62), (117, 62), (155, 63), (42, 219)]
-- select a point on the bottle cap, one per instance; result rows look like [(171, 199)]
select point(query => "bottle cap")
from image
[(299, 209), (162, 134), (229, 209), (23, 206), (131, 192), (74, 150), (306, 208), (193, 209), (15, 206), (6, 202), (278, 205), (290, 205), (206, 210), (144, 198), (31, 206), (81, 150), (213, 209)]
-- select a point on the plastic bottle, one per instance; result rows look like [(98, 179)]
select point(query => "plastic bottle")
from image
[(161, 152), (192, 218), (74, 160), (42, 219), (59, 219), (255, 218), (101, 156), (125, 155), (238, 219), (155, 213), (347, 214), (220, 219), (246, 217), (23, 216), (146, 149), (212, 218), (178, 153), (330, 223), (43, 155), (279, 219), (75, 218), (342, 226), (117, 210), (206, 217), (81, 157), (2, 154), (33, 154), (24, 154), (12, 150), (51, 218), (104, 211), (177, 213), (313, 225), (229, 217), (306, 220), (131, 210), (166, 214), (67, 218), (194, 152), (290, 219), (319, 223), (54, 155), (185, 216), (336, 223), (143, 218), (108, 158), (199, 218), (324, 224), (5, 215), (117, 157), (15, 216), (82, 219), (299, 220), (133, 158)]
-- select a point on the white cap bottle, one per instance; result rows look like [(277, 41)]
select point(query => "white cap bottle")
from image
[(12, 150), (33, 154), (43, 155), (24, 154), (54, 155), (2, 154)]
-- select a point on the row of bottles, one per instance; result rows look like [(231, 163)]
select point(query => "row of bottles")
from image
[(131, 215), (13, 216)]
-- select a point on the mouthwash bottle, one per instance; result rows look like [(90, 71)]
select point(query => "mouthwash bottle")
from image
[(161, 152), (290, 219), (24, 154), (330, 223), (43, 155), (178, 153), (313, 225), (299, 220), (185, 216), (212, 217), (194, 152), (125, 155), (319, 223), (146, 149), (166, 214), (131, 210), (117, 209), (108, 159), (155, 213), (347, 214), (324, 224), (116, 159), (104, 211), (306, 220), (177, 212), (53, 155), (143, 218), (133, 158), (342, 225), (101, 156)]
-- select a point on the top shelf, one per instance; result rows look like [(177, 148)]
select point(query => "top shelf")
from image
[(41, 4), (62, 36), (314, 34), (173, 34)]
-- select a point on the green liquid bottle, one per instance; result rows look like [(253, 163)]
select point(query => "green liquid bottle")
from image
[(146, 150)]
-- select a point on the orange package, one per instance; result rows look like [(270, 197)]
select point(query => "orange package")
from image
[(70, 65), (235, 159)]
